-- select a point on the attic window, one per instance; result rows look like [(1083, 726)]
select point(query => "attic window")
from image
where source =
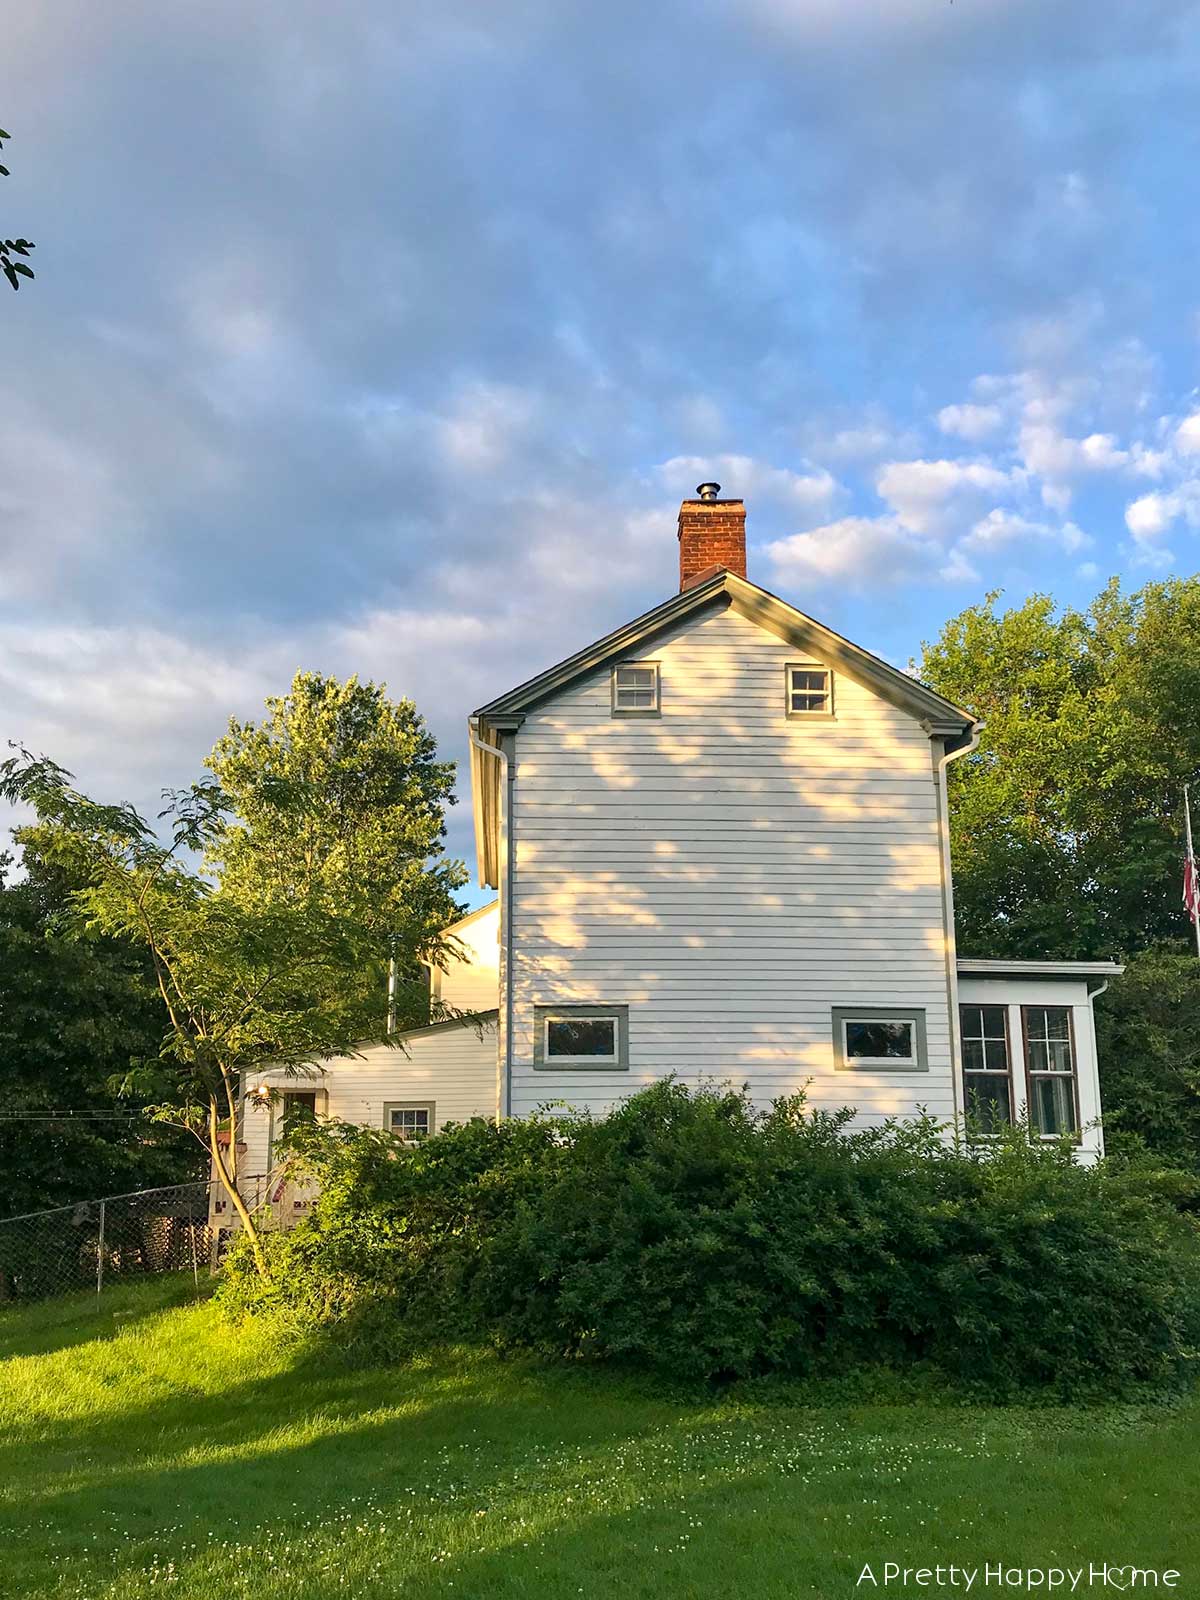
[(635, 688), (809, 690)]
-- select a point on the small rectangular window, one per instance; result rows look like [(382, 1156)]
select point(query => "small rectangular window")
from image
[(809, 690), (635, 687), (412, 1123), (875, 1039), (879, 1041), (1050, 1070), (987, 1079), (581, 1037)]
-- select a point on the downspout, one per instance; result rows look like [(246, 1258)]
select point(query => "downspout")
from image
[(940, 764), (1093, 995), (504, 1077)]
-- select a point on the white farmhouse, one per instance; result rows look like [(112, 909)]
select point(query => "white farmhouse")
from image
[(719, 842)]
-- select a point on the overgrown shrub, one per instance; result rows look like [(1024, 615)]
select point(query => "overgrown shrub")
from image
[(687, 1235)]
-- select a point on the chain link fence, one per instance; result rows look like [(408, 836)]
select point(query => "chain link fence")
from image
[(98, 1242)]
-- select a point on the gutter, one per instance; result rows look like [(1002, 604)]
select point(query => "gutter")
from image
[(503, 1074), (940, 764)]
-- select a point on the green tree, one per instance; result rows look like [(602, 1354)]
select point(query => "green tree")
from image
[(14, 271), (1148, 1032), (75, 1014), (1066, 823), (337, 797), (264, 965)]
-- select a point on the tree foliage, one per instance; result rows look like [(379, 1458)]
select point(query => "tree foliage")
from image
[(1066, 823), (75, 1015), (14, 270), (1148, 1033), (337, 798)]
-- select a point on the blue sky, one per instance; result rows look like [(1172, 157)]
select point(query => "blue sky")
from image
[(386, 338)]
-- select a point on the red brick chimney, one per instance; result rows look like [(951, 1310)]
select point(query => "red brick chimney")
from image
[(712, 536)]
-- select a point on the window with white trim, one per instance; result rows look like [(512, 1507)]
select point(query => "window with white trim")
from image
[(809, 690), (581, 1037), (870, 1041), (575, 1039), (635, 687), (987, 1071), (412, 1123), (879, 1039), (1050, 1069)]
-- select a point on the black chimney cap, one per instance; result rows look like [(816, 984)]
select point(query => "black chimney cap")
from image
[(708, 491)]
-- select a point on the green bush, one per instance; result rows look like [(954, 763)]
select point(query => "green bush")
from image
[(687, 1235)]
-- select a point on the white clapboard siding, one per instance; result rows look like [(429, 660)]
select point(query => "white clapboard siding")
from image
[(730, 874), (470, 980), (450, 1066)]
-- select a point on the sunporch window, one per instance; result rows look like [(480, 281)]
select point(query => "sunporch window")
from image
[(987, 1070), (1050, 1070)]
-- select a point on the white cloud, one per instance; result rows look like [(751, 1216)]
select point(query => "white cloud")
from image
[(1151, 515), (928, 496), (486, 426), (1056, 455), (1057, 497), (134, 709), (872, 437), (812, 491), (859, 552), (970, 422), (1187, 435), (1148, 462), (1001, 529)]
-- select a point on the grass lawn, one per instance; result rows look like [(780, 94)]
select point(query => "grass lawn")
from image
[(146, 1447)]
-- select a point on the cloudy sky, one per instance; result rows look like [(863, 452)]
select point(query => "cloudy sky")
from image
[(385, 337)]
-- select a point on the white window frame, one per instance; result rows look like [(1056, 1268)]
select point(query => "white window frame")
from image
[(1032, 1073), (984, 1038), (825, 711), (914, 1016), (551, 1058), (427, 1106), (617, 688)]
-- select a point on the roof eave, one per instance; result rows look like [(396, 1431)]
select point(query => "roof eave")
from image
[(998, 967)]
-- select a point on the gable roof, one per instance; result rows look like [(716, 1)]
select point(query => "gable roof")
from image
[(723, 590), (726, 589)]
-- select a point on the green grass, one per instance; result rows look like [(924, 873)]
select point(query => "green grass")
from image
[(147, 1448)]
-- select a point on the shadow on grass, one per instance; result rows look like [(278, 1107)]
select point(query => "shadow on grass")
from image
[(45, 1326), (321, 1469), (303, 1444)]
